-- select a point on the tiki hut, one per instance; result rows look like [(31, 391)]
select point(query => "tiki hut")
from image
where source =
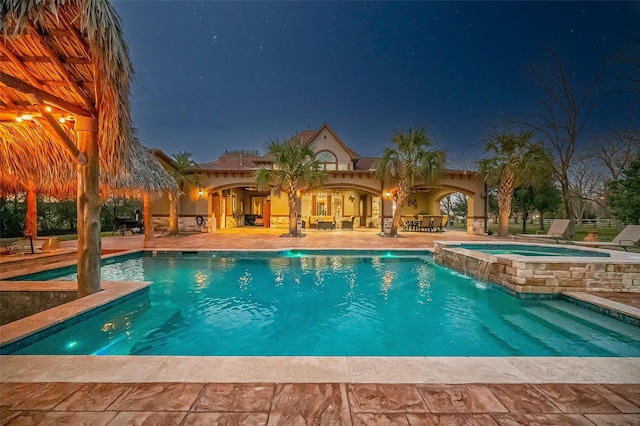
[(65, 122)]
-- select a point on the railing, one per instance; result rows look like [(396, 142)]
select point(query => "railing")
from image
[(595, 223)]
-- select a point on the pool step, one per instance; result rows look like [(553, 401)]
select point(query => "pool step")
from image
[(507, 339), (540, 337), (573, 326), (605, 323)]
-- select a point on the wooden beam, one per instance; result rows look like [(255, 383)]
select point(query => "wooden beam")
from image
[(59, 131), (25, 88), (40, 59), (41, 36), (18, 63), (8, 102)]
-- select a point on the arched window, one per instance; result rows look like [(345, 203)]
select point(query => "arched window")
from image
[(328, 158)]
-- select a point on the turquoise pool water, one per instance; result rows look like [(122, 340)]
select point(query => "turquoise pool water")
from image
[(532, 250), (347, 303)]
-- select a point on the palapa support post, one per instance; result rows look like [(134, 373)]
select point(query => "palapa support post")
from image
[(89, 203), (174, 199), (147, 217), (31, 225)]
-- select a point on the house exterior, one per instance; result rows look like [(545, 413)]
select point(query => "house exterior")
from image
[(353, 196)]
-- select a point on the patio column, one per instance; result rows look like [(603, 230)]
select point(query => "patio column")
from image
[(89, 203)]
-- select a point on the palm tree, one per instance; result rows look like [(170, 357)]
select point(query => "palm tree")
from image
[(182, 172), (514, 160), (294, 169), (409, 160)]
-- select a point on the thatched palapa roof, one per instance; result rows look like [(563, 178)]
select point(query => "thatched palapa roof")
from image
[(68, 57), (53, 173)]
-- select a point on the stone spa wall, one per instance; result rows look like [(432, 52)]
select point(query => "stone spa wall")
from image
[(544, 274)]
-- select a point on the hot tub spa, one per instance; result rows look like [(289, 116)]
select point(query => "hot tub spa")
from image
[(526, 268)]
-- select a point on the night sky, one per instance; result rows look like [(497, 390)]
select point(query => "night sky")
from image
[(216, 76)]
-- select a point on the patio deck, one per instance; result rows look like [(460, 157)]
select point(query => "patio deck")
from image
[(310, 390)]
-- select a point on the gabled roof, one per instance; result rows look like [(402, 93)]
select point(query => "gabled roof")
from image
[(238, 160), (309, 136)]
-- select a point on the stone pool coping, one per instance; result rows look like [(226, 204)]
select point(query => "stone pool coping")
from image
[(601, 304), (278, 369)]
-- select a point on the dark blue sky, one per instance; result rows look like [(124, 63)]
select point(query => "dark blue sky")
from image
[(216, 76)]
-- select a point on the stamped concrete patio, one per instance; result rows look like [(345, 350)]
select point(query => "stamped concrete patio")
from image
[(316, 390)]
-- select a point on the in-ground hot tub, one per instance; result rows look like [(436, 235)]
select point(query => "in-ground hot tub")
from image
[(542, 268)]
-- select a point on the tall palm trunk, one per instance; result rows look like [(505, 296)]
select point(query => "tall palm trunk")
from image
[(504, 204), (292, 198), (401, 198)]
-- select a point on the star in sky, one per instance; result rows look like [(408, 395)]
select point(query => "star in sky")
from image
[(213, 76)]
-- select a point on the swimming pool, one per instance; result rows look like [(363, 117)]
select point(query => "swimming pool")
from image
[(327, 303), (532, 250)]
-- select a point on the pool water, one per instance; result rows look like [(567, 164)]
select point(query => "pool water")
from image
[(532, 250), (349, 304)]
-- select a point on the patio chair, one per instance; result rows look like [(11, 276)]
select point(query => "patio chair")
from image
[(556, 231), (348, 224), (426, 223), (628, 237), (436, 224), (445, 220)]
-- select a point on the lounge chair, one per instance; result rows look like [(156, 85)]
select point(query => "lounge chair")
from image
[(33, 245), (556, 231), (628, 237)]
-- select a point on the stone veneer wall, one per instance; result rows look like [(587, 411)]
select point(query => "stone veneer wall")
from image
[(542, 277), (26, 260), (15, 305), (475, 226)]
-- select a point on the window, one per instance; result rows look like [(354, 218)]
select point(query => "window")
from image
[(321, 205), (375, 206), (326, 157), (336, 205), (328, 160)]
